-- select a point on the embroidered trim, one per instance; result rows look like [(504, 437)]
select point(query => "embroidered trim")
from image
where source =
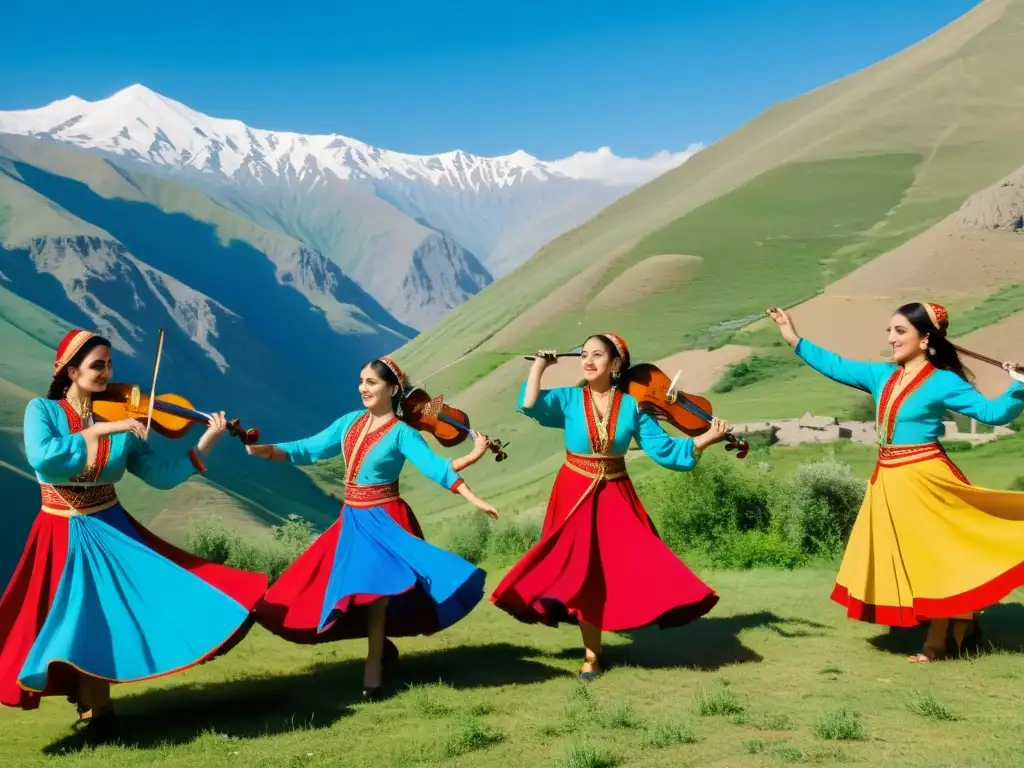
[(70, 501), (370, 495), (91, 473), (598, 445), (356, 454), (885, 421), (75, 340), (193, 456)]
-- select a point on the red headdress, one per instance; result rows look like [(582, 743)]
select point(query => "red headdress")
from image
[(620, 346), (69, 347), (393, 367), (938, 315)]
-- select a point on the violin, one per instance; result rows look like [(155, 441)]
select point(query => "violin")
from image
[(690, 414), (173, 415), (447, 424)]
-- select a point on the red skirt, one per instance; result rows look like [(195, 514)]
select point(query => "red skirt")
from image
[(26, 602), (291, 609), (603, 564)]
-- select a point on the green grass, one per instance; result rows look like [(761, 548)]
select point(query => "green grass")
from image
[(997, 306), (490, 692)]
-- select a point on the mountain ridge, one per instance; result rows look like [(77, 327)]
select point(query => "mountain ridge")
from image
[(438, 228)]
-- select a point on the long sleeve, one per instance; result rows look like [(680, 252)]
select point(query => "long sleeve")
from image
[(675, 453), (154, 470), (549, 410), (852, 373), (418, 453), (309, 450), (50, 452), (964, 398)]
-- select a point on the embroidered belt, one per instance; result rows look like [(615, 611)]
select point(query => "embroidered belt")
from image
[(890, 456), (370, 495), (74, 500), (898, 455), (596, 466)]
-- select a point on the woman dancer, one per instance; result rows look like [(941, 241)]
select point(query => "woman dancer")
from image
[(371, 574), (600, 562), (96, 598), (926, 545)]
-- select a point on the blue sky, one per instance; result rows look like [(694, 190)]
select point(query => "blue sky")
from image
[(487, 77)]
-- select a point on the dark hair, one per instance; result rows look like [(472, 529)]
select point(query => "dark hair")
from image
[(613, 353), (59, 386), (389, 378), (941, 352)]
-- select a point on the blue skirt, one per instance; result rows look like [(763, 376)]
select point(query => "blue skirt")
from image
[(126, 606), (370, 553)]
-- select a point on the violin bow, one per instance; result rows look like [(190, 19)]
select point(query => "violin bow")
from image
[(574, 352), (156, 369)]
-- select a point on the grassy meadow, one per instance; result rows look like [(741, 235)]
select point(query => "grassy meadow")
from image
[(774, 675)]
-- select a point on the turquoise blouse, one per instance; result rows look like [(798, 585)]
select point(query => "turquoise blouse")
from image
[(563, 408), (58, 456), (384, 461), (915, 416)]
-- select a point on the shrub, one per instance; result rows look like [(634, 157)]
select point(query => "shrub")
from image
[(511, 538), (741, 515), (759, 549), (468, 537), (1017, 484), (824, 498), (212, 541), (754, 369), (704, 508)]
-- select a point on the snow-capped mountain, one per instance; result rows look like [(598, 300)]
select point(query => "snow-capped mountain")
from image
[(251, 315), (421, 233)]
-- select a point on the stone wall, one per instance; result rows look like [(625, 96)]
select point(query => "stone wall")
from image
[(822, 429)]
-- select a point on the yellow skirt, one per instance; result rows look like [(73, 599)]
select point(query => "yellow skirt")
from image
[(927, 544)]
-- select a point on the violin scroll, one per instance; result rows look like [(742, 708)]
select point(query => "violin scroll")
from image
[(249, 436)]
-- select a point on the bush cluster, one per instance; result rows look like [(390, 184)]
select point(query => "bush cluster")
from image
[(270, 555), (745, 516), (475, 538), (729, 514)]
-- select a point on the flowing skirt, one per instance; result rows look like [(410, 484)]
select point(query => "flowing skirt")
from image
[(927, 544), (601, 561), (367, 554), (100, 595)]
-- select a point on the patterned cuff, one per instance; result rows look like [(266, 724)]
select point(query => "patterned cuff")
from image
[(193, 456), (457, 484)]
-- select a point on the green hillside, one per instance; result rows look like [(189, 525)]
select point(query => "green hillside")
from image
[(829, 179), (772, 214)]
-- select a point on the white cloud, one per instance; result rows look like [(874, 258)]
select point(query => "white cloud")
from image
[(604, 165)]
